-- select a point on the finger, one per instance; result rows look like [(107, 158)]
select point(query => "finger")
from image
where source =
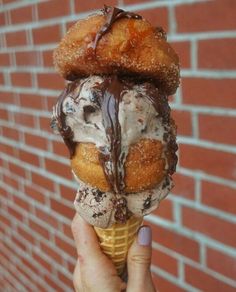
[(85, 238), (139, 262), (77, 281)]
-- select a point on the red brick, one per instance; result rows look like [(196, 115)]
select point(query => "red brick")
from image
[(16, 169), (183, 122), (21, 15), (45, 124), (51, 101), (51, 253), (67, 281), (28, 58), (24, 119), (46, 217), (46, 35), (62, 209), (28, 263), (7, 97), (213, 227), (165, 262), (217, 54), (53, 284), (205, 282), (15, 213), (183, 51), (221, 263), (66, 247), (184, 186), (67, 193), (39, 229), (42, 181), (209, 92), (48, 58), (219, 196), (156, 16), (179, 243), (165, 210), (10, 133), (211, 161), (136, 1), (5, 220), (3, 114), (2, 19), (81, 6), (26, 235), (163, 285), (21, 79), (195, 17), (50, 81), (58, 168), (17, 38), (2, 81), (60, 148), (38, 258), (19, 243), (35, 194), (218, 128), (71, 267), (36, 141), (10, 181), (31, 101), (4, 59), (67, 231), (21, 203), (51, 9), (8, 1), (7, 149), (28, 157)]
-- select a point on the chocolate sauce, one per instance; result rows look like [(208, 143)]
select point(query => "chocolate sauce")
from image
[(110, 97), (65, 131), (112, 15), (121, 212)]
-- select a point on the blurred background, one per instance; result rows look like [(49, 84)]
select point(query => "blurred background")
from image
[(194, 228)]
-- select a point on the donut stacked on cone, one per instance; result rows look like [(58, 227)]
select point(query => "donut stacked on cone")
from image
[(115, 119)]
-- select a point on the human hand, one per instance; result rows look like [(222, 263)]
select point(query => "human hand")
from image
[(95, 272)]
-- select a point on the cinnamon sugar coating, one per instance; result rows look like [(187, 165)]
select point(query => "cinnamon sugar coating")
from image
[(132, 47)]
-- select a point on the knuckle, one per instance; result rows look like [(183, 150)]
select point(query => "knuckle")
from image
[(140, 259)]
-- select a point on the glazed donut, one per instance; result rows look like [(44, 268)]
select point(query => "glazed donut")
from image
[(117, 42)]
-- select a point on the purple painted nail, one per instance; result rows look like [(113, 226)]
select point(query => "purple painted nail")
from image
[(145, 236)]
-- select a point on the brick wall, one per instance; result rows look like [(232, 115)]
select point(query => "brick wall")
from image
[(194, 231)]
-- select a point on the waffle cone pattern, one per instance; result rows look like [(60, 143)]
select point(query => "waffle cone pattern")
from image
[(116, 241)]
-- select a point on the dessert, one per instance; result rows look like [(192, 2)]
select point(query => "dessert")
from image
[(114, 117)]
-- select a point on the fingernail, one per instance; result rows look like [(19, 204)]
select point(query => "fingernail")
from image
[(145, 236)]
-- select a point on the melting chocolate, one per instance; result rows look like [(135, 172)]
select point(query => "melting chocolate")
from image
[(112, 15), (110, 97), (65, 131), (121, 212)]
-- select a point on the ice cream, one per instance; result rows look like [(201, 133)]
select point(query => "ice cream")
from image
[(114, 117), (114, 114)]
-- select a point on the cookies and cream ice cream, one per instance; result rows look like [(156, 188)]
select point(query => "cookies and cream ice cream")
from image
[(114, 113)]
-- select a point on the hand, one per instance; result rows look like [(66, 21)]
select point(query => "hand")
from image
[(95, 272)]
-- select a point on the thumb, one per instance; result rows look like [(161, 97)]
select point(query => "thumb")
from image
[(139, 262)]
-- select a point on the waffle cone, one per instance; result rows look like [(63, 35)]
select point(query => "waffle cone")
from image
[(116, 241)]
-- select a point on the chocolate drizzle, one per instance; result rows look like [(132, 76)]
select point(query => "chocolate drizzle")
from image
[(112, 15), (110, 94), (65, 131)]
